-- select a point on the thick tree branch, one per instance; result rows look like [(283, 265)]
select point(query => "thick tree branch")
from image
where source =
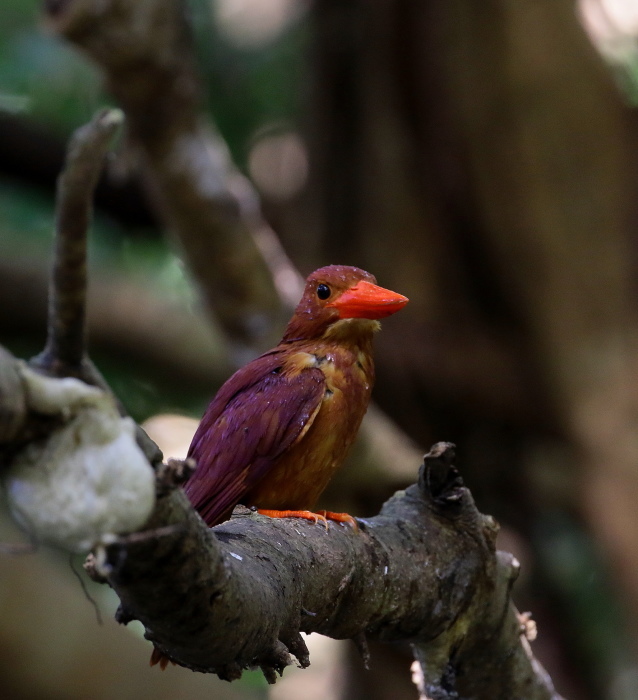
[(424, 570)]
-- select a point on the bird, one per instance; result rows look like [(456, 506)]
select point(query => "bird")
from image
[(279, 428)]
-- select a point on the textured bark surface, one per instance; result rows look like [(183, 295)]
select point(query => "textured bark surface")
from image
[(424, 570), (65, 351)]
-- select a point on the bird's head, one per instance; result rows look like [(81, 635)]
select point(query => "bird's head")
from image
[(341, 300)]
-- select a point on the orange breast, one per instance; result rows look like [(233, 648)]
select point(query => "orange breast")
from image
[(300, 475)]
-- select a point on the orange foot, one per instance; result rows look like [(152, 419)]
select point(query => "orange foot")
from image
[(340, 518), (158, 658), (322, 516)]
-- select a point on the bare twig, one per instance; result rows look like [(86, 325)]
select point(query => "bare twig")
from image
[(65, 351), (85, 590)]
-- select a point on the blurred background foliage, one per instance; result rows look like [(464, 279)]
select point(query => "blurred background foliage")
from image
[(252, 79), (393, 138)]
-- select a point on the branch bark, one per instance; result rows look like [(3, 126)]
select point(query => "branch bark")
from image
[(424, 571), (65, 351)]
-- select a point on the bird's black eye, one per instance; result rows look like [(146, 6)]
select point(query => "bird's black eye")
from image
[(323, 291)]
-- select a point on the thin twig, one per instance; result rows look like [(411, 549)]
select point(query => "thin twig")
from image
[(65, 351), (85, 590)]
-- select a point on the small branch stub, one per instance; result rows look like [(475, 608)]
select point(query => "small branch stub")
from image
[(173, 474), (439, 478)]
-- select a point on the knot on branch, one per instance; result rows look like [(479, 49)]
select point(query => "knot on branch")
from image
[(439, 479)]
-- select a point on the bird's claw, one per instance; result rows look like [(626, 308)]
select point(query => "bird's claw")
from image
[(322, 516), (344, 518), (159, 658)]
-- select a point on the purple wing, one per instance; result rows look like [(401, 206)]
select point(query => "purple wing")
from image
[(257, 414)]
